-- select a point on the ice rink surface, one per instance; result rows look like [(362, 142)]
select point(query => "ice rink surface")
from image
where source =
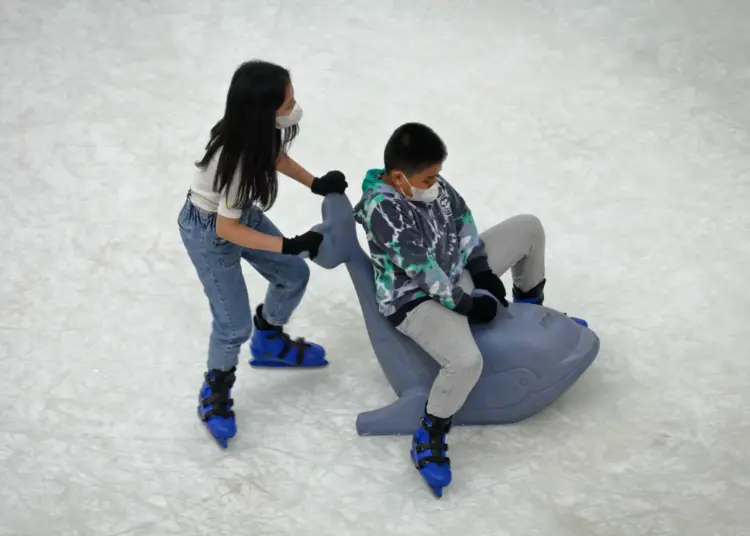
[(622, 124)]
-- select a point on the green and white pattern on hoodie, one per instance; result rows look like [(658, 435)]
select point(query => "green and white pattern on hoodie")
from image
[(418, 250)]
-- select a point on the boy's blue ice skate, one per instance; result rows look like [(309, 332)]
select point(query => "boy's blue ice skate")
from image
[(428, 450), (215, 405), (536, 296), (271, 347)]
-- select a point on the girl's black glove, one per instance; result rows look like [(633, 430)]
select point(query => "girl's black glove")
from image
[(310, 241), (332, 182), (488, 281), (483, 310)]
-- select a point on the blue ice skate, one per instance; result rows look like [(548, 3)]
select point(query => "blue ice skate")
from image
[(215, 405), (428, 452), (536, 296), (271, 347)]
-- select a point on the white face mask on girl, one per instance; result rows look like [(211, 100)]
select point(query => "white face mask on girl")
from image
[(286, 121), (423, 195)]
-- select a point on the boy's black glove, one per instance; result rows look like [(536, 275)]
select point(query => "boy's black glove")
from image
[(483, 310), (310, 241), (488, 281), (332, 182)]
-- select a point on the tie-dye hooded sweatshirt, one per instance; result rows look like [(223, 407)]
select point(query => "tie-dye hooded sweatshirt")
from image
[(418, 250)]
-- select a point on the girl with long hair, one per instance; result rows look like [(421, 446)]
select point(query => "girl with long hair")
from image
[(223, 222)]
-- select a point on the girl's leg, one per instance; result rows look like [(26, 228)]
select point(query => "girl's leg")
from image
[(217, 263), (287, 277)]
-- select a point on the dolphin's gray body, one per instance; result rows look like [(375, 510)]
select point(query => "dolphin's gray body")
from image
[(532, 354)]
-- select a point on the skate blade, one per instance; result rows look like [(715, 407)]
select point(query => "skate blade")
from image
[(223, 442), (437, 491), (278, 363)]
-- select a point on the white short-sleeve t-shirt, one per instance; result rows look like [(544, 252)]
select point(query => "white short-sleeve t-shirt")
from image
[(204, 197)]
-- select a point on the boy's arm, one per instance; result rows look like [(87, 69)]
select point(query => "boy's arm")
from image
[(467, 232), (396, 233)]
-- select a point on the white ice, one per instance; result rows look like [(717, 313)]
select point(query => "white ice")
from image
[(622, 124)]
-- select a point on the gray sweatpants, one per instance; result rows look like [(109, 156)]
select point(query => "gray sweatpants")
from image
[(516, 244)]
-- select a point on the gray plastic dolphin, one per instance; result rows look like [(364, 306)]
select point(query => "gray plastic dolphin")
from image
[(532, 354)]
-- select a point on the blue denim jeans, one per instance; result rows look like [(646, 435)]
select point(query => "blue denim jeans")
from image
[(217, 262)]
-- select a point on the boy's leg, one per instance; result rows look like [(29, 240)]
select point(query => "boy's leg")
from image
[(517, 244), (287, 277), (446, 336)]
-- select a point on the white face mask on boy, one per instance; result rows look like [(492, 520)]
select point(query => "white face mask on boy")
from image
[(286, 121), (421, 194)]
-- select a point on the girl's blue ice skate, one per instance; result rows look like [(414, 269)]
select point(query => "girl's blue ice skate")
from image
[(428, 450), (215, 405), (271, 347)]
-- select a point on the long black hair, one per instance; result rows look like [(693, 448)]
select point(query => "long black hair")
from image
[(247, 134)]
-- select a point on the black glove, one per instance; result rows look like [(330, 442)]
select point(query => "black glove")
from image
[(483, 310), (332, 182), (310, 241), (488, 281)]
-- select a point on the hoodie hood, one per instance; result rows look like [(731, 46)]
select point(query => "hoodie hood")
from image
[(373, 179), (373, 191)]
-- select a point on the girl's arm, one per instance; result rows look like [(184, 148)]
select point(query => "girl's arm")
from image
[(232, 230), (331, 182), (289, 167), (228, 226)]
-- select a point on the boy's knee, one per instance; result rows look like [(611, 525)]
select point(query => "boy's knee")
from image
[(469, 365), (475, 364), (532, 224)]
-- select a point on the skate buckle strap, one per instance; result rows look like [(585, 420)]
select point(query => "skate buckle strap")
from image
[(221, 404), (298, 344), (220, 379), (436, 430), (437, 455), (219, 397)]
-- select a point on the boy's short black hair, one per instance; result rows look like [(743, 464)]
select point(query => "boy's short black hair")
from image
[(412, 148)]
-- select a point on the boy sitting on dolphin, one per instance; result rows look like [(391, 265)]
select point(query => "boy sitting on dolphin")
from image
[(426, 251)]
